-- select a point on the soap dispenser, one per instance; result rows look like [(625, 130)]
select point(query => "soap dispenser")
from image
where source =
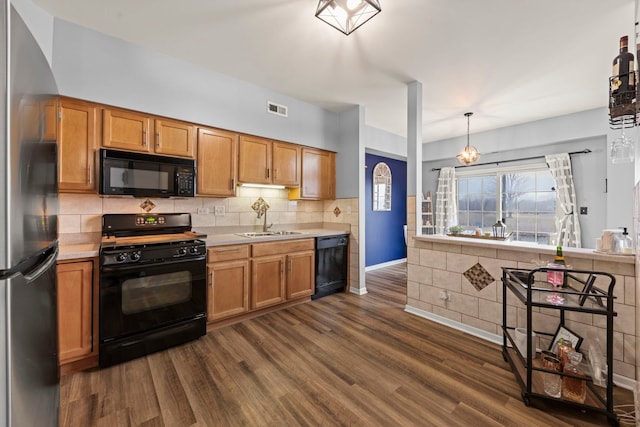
[(623, 245)]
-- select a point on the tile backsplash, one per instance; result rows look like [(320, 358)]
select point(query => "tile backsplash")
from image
[(81, 213)]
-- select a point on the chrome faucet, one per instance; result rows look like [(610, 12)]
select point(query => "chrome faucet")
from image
[(261, 207)]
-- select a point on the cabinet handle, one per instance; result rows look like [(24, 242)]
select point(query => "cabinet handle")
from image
[(144, 138), (281, 267), (90, 173), (211, 279), (268, 173), (227, 250), (233, 183), (290, 266), (158, 139)]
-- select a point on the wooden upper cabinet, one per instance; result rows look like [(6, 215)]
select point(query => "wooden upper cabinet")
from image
[(50, 116), (217, 160), (77, 142), (263, 161), (254, 160), (286, 164), (126, 130), (318, 180), (174, 138)]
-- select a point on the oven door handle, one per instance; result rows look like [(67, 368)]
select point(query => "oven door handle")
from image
[(120, 267)]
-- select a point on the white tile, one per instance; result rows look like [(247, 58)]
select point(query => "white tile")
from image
[(91, 223), (231, 218), (79, 204), (69, 223), (120, 205), (188, 205)]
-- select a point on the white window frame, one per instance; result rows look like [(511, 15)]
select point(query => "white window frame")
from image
[(495, 171)]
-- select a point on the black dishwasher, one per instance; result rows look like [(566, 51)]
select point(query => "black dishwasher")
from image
[(332, 262)]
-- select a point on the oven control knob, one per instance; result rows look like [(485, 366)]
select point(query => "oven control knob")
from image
[(121, 257), (193, 250), (182, 251), (135, 256)]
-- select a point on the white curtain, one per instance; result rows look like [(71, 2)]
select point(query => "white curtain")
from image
[(446, 201), (567, 224)]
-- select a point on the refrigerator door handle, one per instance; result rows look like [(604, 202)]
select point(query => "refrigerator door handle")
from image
[(51, 260)]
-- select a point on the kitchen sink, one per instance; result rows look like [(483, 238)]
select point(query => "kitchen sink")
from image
[(256, 234), (268, 233)]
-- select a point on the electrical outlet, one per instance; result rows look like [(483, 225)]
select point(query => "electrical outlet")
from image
[(219, 211), (444, 296), (203, 211)]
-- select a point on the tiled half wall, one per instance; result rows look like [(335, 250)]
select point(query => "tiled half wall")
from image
[(436, 267)]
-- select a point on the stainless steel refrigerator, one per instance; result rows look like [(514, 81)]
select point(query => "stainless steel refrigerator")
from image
[(29, 376)]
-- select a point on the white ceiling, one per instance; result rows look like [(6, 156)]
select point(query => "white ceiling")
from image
[(508, 61)]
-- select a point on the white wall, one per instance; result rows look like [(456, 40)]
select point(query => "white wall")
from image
[(40, 24), (385, 143)]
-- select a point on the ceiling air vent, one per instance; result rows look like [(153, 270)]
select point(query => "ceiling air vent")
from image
[(277, 109)]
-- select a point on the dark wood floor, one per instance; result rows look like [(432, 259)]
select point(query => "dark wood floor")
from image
[(339, 360)]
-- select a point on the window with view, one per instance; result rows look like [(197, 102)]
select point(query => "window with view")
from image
[(524, 198)]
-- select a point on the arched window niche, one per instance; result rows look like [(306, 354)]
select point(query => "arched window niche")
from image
[(381, 187)]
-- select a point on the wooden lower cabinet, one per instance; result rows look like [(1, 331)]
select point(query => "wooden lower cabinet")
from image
[(228, 290), (300, 274), (77, 296), (282, 271), (251, 277), (267, 281)]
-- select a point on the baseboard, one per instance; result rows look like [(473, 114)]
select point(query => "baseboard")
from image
[(385, 264), (358, 291), (619, 380)]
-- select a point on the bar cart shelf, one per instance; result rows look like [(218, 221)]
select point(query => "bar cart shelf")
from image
[(583, 291)]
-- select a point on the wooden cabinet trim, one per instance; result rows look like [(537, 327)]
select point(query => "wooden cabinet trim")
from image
[(281, 247), (227, 253)]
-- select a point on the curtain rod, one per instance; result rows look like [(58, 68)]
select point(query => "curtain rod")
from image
[(497, 163)]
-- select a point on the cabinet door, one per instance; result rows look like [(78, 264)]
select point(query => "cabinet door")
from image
[(77, 142), (286, 164), (228, 292), (318, 175), (217, 157), (267, 281), (254, 160), (126, 130), (174, 138), (75, 310), (300, 274)]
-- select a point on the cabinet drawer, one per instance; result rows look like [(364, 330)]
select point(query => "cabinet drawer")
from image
[(227, 253), (283, 247)]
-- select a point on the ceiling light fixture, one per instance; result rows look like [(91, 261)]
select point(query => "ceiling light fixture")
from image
[(470, 153), (347, 15)]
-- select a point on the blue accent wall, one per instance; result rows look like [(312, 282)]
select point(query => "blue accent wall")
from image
[(384, 229)]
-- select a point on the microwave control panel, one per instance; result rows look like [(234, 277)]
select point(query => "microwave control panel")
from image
[(185, 178)]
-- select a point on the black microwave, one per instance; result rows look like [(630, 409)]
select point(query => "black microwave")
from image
[(146, 175)]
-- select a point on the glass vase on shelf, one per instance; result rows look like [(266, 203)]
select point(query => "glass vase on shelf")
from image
[(622, 150)]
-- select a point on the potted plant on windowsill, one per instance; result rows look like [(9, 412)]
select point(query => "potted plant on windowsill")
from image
[(456, 229)]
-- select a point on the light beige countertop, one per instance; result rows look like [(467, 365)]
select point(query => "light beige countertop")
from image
[(526, 247), (87, 245)]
